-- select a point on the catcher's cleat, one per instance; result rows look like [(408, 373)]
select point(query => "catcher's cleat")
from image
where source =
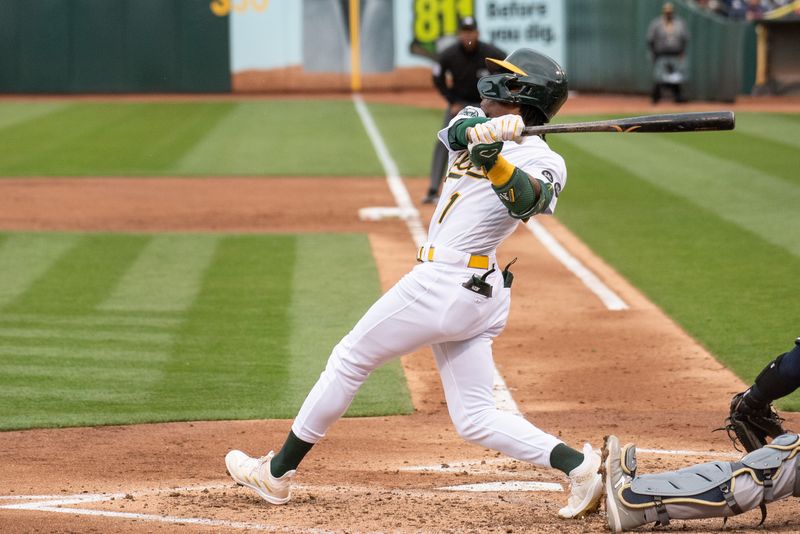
[(254, 473), (586, 487), (618, 469)]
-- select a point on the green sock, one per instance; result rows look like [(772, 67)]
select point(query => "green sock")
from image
[(565, 458), (290, 455)]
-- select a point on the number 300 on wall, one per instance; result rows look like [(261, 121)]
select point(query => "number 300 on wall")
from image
[(222, 8)]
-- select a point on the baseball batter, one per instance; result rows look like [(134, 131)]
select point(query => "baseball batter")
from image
[(457, 297)]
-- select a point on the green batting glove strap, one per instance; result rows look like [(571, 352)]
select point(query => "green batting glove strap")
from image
[(485, 154), (457, 133), (524, 196)]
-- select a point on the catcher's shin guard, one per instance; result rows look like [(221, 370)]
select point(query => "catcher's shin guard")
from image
[(717, 489)]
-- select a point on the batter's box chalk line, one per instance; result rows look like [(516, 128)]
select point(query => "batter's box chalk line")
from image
[(64, 504), (70, 504)]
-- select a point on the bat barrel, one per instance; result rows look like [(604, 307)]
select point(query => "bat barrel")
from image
[(673, 122), (679, 122)]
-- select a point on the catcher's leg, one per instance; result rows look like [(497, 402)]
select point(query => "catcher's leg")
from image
[(778, 379), (715, 489)]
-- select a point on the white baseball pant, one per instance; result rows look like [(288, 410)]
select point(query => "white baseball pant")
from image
[(428, 306)]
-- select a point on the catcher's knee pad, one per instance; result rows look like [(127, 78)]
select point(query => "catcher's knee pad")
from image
[(719, 489)]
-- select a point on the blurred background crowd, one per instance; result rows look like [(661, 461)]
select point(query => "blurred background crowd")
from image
[(742, 9)]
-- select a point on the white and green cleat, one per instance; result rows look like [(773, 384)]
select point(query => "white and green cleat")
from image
[(586, 487), (254, 473)]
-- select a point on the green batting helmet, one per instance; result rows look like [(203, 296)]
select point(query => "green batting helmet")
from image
[(528, 78)]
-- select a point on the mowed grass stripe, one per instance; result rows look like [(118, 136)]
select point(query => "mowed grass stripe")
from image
[(333, 309), (103, 374), (725, 286), (24, 258), (108, 320), (755, 201), (83, 277), (232, 353), (165, 277), (14, 113), (146, 338), (779, 128), (79, 355), (45, 395), (107, 138), (285, 138), (410, 133), (769, 157)]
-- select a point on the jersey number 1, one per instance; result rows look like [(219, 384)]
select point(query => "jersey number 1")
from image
[(453, 199)]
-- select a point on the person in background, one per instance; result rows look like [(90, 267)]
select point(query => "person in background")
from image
[(667, 39), (755, 10), (463, 63)]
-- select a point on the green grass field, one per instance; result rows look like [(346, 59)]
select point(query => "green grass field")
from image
[(706, 225), (100, 328), (118, 328)]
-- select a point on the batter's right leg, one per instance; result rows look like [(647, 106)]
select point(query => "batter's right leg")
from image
[(402, 320), (395, 325)]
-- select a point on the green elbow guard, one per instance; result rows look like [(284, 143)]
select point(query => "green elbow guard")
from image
[(457, 133), (524, 196)]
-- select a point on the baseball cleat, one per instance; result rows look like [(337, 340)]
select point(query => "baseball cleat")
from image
[(586, 487), (254, 473), (619, 468)]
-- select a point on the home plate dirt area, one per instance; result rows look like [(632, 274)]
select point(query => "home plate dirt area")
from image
[(573, 366)]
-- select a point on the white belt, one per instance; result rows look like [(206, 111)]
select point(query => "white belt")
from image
[(432, 253)]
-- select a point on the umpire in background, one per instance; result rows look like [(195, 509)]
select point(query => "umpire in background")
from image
[(463, 63)]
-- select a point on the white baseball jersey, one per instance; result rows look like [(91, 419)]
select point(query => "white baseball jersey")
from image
[(434, 305), (469, 216)]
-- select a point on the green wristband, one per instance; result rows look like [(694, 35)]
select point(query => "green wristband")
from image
[(457, 133), (485, 154)]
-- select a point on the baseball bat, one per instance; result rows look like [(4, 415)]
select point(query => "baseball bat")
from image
[(702, 121)]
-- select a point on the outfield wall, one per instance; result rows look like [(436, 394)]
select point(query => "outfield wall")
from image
[(278, 46), (608, 48), (108, 46)]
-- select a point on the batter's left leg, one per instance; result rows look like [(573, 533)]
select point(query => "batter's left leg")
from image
[(467, 372)]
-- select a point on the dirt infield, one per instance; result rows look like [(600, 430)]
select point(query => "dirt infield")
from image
[(577, 104), (574, 368)]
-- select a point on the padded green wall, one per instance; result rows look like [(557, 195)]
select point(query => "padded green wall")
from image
[(607, 48), (77, 46)]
